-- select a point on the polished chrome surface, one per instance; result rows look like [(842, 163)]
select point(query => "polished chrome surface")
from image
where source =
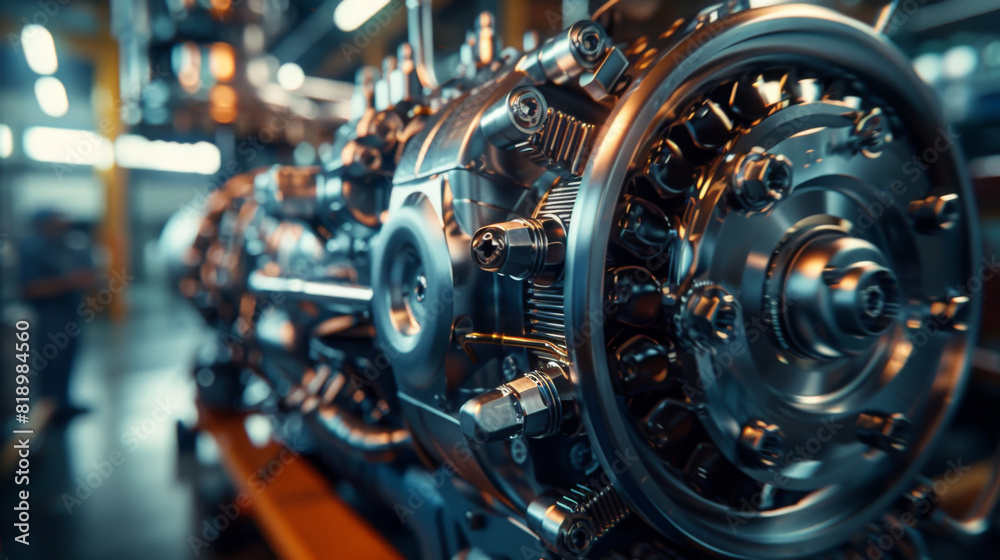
[(666, 276)]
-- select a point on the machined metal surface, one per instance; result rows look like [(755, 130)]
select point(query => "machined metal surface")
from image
[(618, 288)]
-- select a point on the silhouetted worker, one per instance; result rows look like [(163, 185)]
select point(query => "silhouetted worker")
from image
[(55, 275)]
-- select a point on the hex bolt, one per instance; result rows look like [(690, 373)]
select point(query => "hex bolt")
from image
[(935, 214), (531, 406), (563, 58), (364, 159), (513, 119), (919, 501), (709, 126), (761, 179), (527, 106), (886, 432), (871, 133), (669, 171), (571, 523), (589, 42), (762, 443), (385, 128), (489, 246), (525, 248), (711, 315), (577, 538)]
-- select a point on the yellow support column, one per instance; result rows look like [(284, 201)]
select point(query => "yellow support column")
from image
[(114, 229), (102, 51)]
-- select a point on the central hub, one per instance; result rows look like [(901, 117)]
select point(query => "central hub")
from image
[(835, 294)]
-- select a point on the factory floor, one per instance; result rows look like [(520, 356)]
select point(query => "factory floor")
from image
[(114, 483)]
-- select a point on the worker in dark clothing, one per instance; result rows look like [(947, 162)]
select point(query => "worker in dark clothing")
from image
[(55, 275)]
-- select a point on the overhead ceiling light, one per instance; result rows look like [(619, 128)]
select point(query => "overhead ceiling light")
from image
[(138, 152), (68, 146), (51, 96), (352, 14), (39, 49), (291, 76), (6, 141), (222, 61), (959, 62), (929, 67)]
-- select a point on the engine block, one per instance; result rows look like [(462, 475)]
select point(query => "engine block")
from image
[(686, 294)]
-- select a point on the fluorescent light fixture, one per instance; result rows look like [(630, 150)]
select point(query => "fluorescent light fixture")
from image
[(291, 76), (39, 49), (6, 141), (929, 67), (959, 62), (51, 96), (352, 14), (68, 146), (138, 152)]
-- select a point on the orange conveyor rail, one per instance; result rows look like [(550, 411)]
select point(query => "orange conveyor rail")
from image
[(300, 515)]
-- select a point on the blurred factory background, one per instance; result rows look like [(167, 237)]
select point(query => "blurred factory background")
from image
[(118, 114)]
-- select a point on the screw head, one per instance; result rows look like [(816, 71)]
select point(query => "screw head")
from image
[(871, 133), (761, 179), (711, 315), (578, 537), (936, 214), (762, 443), (589, 42), (367, 158), (527, 108), (489, 247), (886, 432)]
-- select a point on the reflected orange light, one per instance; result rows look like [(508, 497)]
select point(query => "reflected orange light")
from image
[(222, 61), (220, 7), (223, 103)]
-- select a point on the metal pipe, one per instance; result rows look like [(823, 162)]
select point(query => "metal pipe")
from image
[(352, 297), (500, 339), (349, 432), (420, 31)]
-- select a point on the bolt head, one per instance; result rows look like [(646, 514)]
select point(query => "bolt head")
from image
[(871, 133), (936, 214), (711, 315), (761, 179), (887, 432), (493, 416), (589, 42), (489, 247), (578, 537), (527, 108), (762, 443)]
